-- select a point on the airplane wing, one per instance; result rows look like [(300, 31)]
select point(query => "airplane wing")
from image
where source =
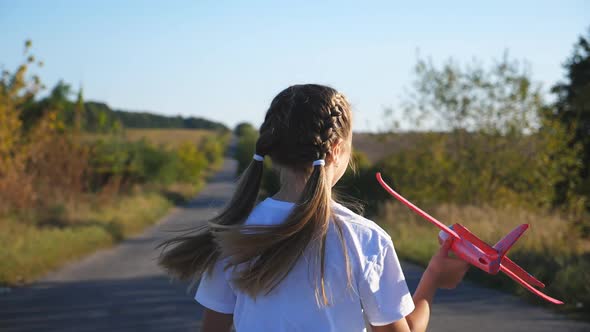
[(467, 235), (508, 264), (416, 209), (532, 289)]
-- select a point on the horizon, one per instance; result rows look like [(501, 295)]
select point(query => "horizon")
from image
[(223, 62)]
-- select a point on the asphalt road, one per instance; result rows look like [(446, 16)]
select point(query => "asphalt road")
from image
[(122, 289)]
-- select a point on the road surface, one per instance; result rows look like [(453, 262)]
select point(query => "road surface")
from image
[(122, 289)]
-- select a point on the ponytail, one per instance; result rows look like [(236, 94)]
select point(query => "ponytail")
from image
[(195, 252), (264, 255)]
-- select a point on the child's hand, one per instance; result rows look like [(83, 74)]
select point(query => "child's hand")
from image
[(446, 272)]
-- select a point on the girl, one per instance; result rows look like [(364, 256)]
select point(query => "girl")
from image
[(299, 261)]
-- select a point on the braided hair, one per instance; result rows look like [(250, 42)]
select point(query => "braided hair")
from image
[(302, 125)]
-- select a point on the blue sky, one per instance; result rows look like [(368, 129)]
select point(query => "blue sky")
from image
[(225, 60)]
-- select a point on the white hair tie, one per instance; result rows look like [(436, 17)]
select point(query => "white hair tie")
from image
[(319, 162), (258, 157)]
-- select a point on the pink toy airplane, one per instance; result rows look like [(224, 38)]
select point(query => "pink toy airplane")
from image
[(476, 252)]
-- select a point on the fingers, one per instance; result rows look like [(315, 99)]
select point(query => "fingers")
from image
[(458, 265), (447, 244), (445, 247)]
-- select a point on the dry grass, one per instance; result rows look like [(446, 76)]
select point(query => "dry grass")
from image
[(37, 239), (169, 138), (550, 250), (32, 245)]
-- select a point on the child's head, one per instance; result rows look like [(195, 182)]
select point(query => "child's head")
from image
[(305, 123), (307, 133)]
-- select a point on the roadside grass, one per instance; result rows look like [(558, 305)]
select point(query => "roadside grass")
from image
[(549, 250), (32, 245), (37, 239)]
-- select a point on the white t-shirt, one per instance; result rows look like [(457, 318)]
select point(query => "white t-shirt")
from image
[(379, 287)]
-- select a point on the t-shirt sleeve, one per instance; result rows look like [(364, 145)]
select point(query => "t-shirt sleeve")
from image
[(383, 289), (214, 291)]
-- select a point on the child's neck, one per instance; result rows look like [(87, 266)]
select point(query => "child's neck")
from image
[(292, 185), (287, 194)]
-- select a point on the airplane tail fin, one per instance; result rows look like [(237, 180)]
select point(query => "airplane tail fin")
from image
[(506, 243)]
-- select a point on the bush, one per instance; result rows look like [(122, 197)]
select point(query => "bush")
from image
[(213, 147), (245, 149), (192, 162), (549, 250), (141, 162), (244, 129), (491, 169), (356, 187)]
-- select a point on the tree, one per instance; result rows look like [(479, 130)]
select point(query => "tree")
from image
[(572, 109), (500, 99), (16, 91), (244, 128), (488, 149), (79, 112)]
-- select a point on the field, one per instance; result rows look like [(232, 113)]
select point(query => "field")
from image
[(161, 137), (168, 137)]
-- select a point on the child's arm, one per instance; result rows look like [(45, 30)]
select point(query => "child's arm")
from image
[(442, 272), (214, 321)]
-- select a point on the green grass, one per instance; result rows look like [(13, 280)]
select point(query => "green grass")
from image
[(32, 245), (549, 250)]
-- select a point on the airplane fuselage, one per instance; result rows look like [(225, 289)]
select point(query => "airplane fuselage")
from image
[(467, 251)]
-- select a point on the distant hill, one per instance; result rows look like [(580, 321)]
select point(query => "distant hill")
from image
[(97, 113)]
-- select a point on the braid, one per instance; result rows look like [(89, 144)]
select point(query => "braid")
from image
[(301, 126)]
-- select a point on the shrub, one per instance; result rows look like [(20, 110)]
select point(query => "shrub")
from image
[(193, 162)]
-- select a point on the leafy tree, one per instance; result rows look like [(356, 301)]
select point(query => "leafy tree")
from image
[(244, 128), (488, 149), (16, 91), (572, 109), (499, 99), (38, 164), (245, 148)]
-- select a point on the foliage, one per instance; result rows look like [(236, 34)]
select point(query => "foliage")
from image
[(213, 147), (62, 194), (98, 113), (499, 148), (244, 128), (245, 147), (356, 187), (44, 160), (142, 162), (572, 110), (501, 99), (192, 162), (503, 157), (551, 252), (38, 164)]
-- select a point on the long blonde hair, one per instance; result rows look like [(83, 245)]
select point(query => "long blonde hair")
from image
[(300, 126)]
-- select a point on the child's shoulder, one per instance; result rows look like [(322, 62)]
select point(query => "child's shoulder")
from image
[(364, 230)]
